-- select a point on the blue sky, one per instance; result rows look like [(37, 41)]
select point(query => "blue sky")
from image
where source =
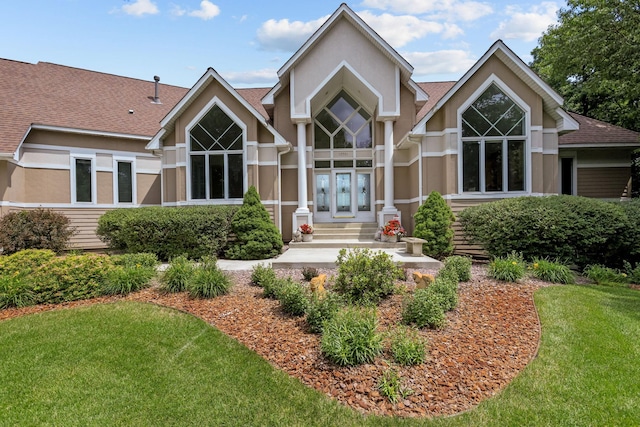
[(248, 41)]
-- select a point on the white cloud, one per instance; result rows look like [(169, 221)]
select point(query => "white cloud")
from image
[(452, 10), (400, 30), (254, 77), (527, 26), (440, 62), (286, 36), (207, 11), (140, 7)]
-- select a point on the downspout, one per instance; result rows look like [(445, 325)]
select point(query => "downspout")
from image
[(280, 184)]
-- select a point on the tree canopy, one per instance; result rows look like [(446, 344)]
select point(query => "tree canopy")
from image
[(592, 58)]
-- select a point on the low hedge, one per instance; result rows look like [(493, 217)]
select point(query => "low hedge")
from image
[(568, 228), (194, 231)]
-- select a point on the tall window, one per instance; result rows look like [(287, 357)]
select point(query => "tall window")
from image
[(83, 180), (493, 144), (124, 179), (343, 123), (216, 157)]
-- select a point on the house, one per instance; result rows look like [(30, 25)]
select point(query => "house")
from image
[(346, 135)]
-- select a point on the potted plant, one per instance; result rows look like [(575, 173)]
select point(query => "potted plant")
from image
[(392, 231), (307, 232)]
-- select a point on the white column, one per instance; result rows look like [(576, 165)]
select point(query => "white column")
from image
[(388, 166), (302, 168)]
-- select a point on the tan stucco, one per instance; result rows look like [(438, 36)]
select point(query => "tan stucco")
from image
[(148, 188)]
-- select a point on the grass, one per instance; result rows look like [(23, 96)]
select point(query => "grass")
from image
[(138, 364)]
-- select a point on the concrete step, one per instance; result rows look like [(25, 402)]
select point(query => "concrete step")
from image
[(347, 243)]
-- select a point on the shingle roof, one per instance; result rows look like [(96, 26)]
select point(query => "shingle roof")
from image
[(254, 97), (60, 96), (435, 90), (597, 132)]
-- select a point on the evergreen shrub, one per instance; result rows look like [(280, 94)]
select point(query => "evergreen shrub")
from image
[(434, 223), (257, 237), (194, 231), (34, 229), (569, 228)]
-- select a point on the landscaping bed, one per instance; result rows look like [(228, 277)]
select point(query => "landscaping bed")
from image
[(489, 338)]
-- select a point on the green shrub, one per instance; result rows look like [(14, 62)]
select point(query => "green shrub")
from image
[(70, 278), (309, 273), (577, 229), (461, 265), (551, 271), (194, 231), (508, 269), (271, 286), (631, 234), (633, 273), (422, 309), (364, 276), (124, 279), (446, 287), (257, 237), (15, 292), (605, 276), (321, 310), (208, 281), (350, 337), (34, 229), (294, 299), (261, 274), (176, 277), (24, 262), (434, 223), (407, 347), (136, 260), (391, 387)]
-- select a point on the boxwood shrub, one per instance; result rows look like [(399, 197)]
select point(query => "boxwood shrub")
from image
[(194, 231), (568, 228)]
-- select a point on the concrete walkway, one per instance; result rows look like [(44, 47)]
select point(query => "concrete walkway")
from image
[(298, 257)]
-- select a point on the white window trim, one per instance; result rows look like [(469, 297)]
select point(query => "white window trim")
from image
[(134, 181), (213, 102), (94, 193), (493, 79)]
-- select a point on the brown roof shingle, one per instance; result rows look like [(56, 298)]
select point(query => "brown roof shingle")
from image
[(597, 132), (56, 95), (435, 90)]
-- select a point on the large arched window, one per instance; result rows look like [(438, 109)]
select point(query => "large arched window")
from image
[(343, 123), (215, 157), (493, 144)]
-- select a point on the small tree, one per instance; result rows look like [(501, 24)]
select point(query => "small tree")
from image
[(433, 223), (257, 237), (34, 229)]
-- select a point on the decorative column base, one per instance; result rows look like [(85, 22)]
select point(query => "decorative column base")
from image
[(301, 217), (387, 214)]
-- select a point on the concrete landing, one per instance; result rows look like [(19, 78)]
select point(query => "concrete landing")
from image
[(298, 257)]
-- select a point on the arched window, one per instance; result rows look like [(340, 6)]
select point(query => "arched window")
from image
[(493, 144), (343, 123), (216, 157)]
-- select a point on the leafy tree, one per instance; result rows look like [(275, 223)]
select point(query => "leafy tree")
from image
[(592, 58), (257, 237), (434, 221)]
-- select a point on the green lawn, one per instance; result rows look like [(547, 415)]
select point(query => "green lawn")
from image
[(139, 364)]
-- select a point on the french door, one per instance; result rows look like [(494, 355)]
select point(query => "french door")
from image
[(343, 195)]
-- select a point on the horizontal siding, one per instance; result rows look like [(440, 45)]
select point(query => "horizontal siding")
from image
[(461, 245), (603, 183)]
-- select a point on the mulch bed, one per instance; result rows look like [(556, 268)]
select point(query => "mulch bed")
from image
[(489, 338)]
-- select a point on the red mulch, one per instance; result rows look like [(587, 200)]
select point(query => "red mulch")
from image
[(489, 338)]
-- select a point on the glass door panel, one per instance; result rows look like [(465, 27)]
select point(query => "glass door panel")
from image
[(343, 193), (364, 192), (322, 192)]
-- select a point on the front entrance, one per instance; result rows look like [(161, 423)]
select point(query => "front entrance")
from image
[(343, 195)]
